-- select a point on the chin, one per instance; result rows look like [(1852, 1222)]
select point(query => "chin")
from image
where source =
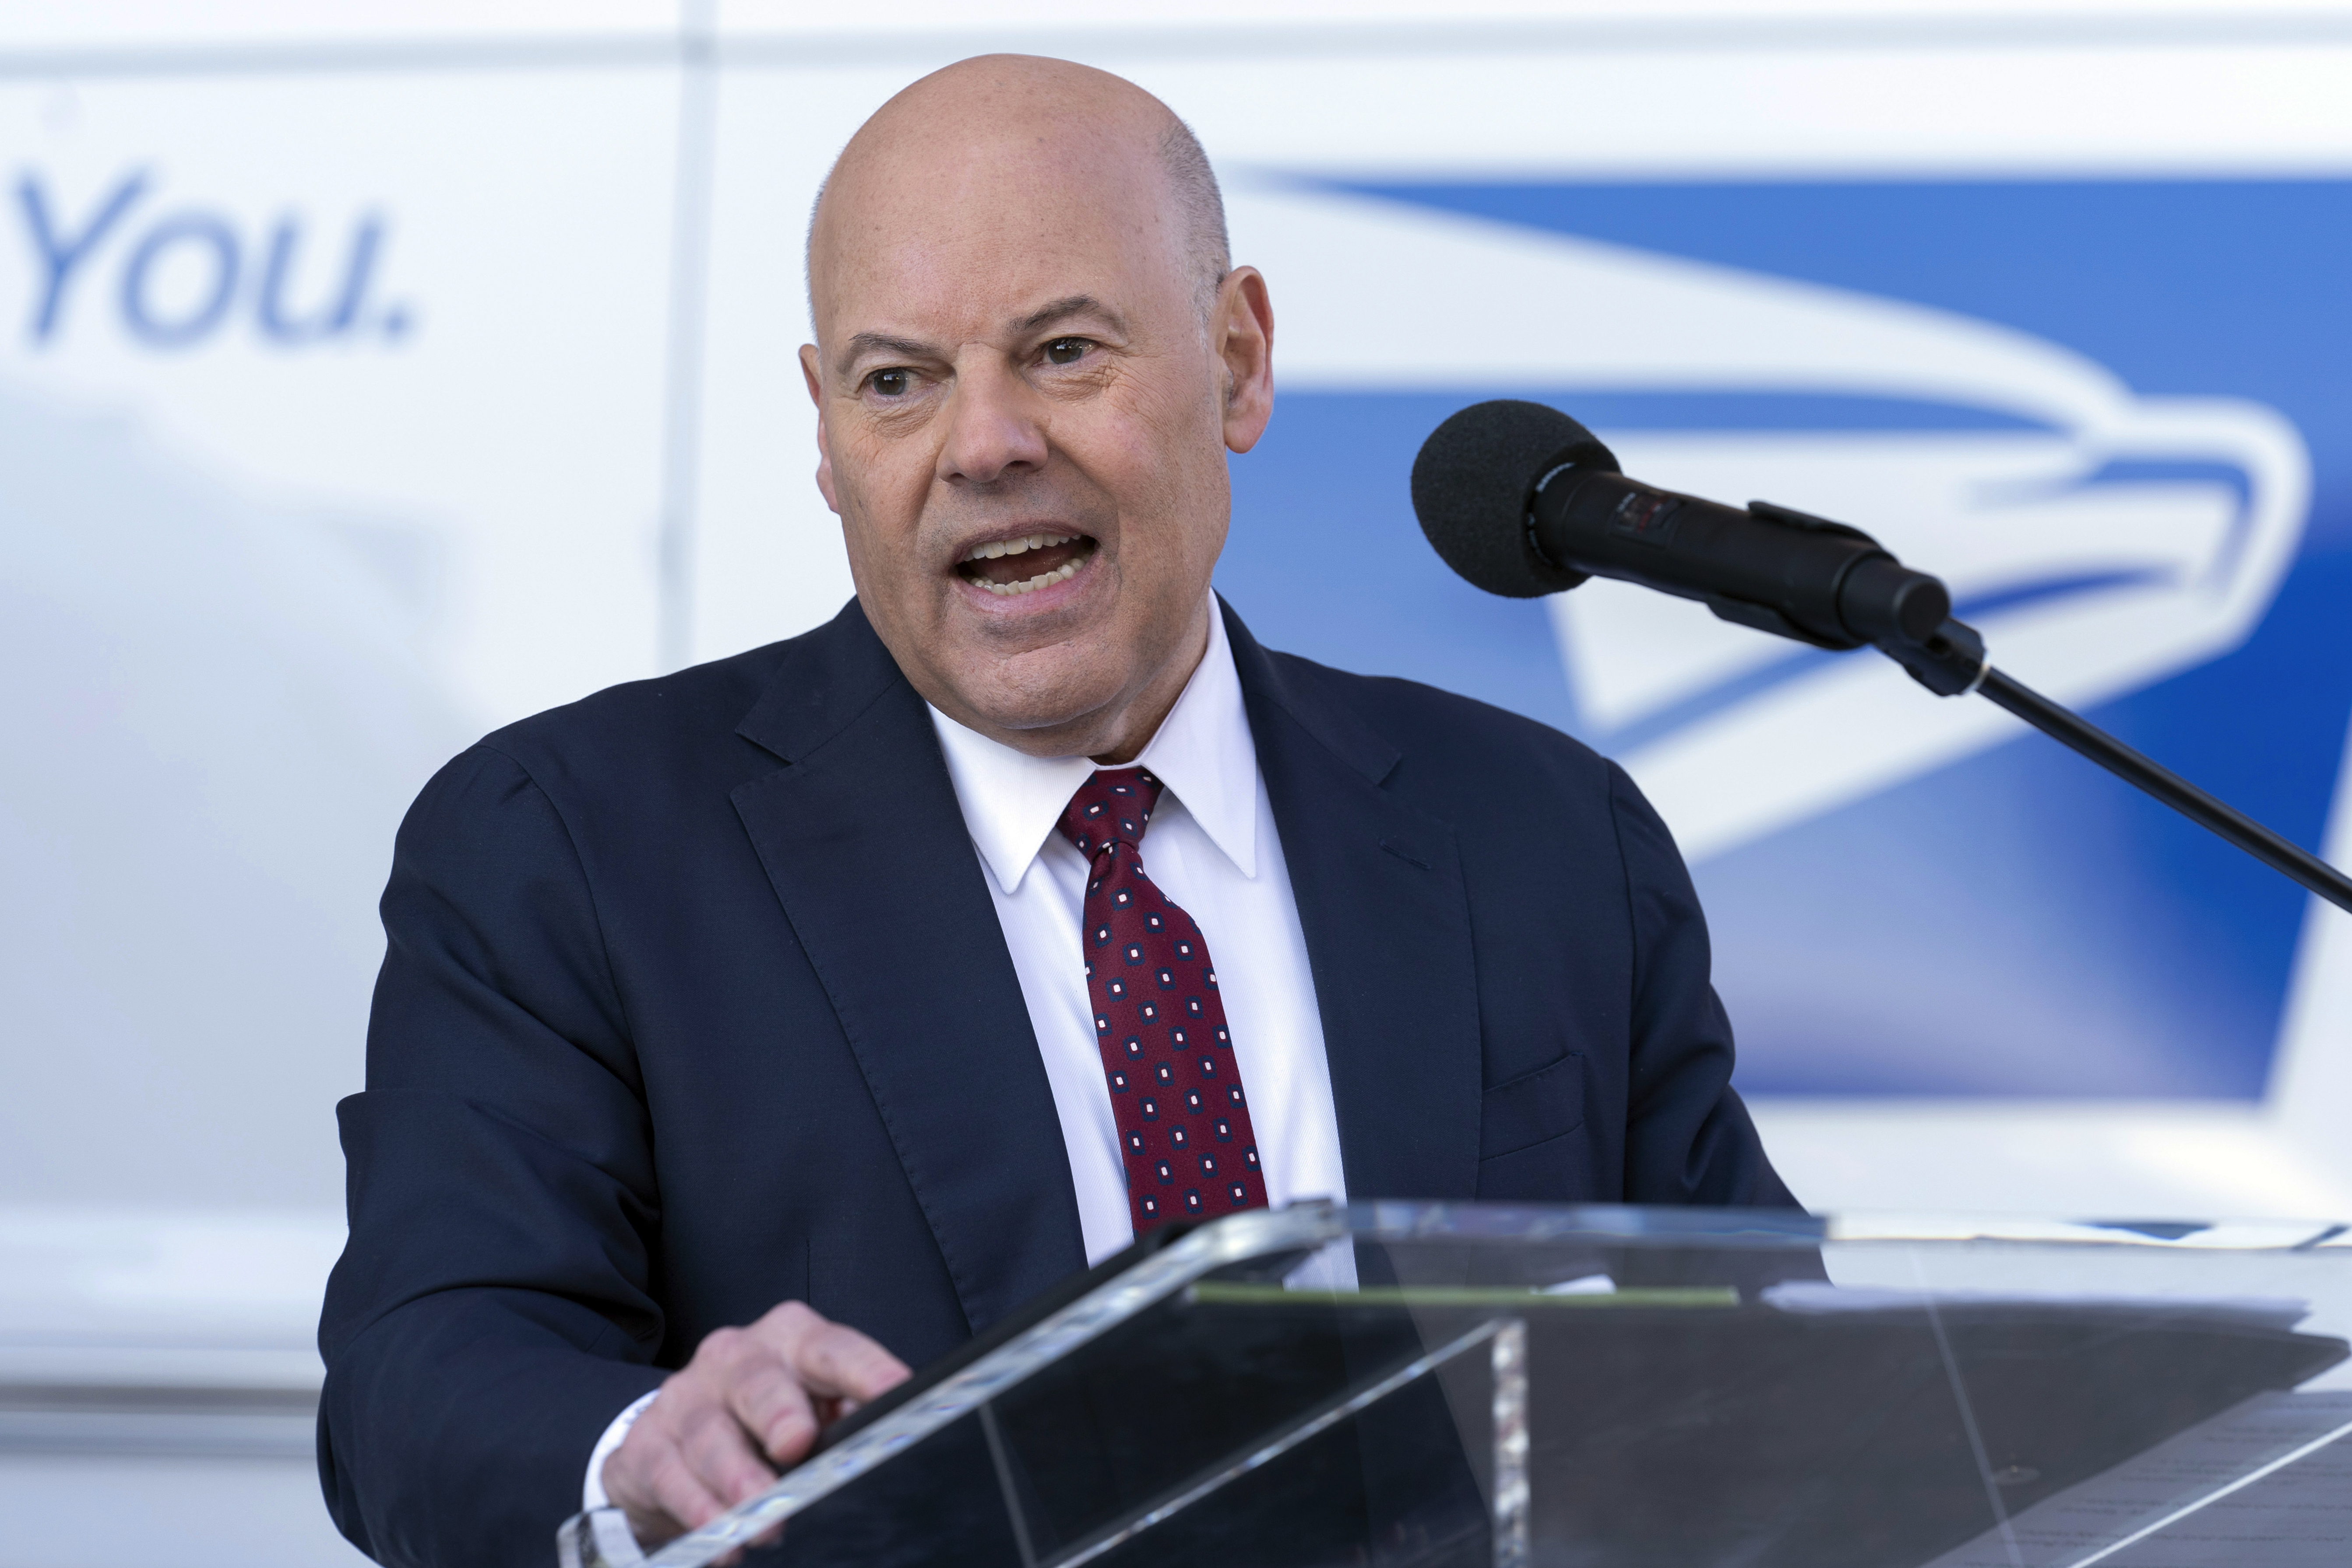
[(1041, 701)]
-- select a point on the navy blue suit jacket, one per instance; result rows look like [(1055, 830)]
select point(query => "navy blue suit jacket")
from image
[(695, 1002)]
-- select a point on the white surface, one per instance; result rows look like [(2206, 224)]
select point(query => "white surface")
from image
[(511, 427), (767, 555), (152, 1299), (73, 1512), (175, 24), (809, 19), (257, 591), (159, 1298), (2091, 1160)]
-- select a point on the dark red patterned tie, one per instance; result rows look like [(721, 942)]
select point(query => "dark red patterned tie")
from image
[(1175, 1090)]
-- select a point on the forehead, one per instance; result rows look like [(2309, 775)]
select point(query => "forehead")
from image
[(965, 233)]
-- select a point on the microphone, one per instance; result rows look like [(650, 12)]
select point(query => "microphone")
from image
[(1523, 501)]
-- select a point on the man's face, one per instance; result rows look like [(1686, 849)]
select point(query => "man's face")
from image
[(1024, 420)]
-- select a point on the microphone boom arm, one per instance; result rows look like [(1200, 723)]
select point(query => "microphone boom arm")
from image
[(1953, 662)]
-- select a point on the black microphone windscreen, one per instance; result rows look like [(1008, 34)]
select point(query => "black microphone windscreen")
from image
[(1474, 479)]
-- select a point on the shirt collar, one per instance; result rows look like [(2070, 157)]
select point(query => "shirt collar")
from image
[(1202, 753)]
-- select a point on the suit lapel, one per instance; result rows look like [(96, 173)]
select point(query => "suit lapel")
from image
[(1387, 922), (865, 844)]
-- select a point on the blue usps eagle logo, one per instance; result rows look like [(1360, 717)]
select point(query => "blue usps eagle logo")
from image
[(2099, 411)]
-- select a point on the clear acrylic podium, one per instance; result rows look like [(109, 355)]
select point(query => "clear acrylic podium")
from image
[(1389, 1385)]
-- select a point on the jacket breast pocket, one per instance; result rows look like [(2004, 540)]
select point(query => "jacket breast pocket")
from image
[(1533, 1108)]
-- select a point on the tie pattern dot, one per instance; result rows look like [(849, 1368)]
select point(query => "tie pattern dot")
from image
[(1176, 1095)]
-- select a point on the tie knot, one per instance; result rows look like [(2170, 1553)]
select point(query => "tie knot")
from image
[(1113, 806)]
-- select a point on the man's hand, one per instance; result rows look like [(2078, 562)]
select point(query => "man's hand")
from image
[(750, 1403)]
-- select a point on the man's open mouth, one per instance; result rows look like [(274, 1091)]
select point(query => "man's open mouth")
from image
[(1025, 564)]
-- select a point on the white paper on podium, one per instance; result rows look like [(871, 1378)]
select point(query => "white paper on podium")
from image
[(1819, 1298), (2188, 1501)]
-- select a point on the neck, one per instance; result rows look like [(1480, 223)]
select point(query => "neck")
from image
[(1150, 709)]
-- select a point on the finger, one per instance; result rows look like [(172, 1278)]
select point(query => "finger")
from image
[(784, 1326), (767, 1400), (831, 1360), (631, 1485), (718, 1452), (679, 1492), (839, 1363)]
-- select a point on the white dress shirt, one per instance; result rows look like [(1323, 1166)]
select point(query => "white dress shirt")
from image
[(1212, 848)]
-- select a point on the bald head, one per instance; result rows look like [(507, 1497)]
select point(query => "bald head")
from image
[(1030, 110)]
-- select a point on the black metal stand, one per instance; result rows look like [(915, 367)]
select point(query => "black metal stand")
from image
[(1953, 662), (2068, 728)]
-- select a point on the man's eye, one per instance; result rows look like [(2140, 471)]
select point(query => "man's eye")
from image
[(1067, 350), (892, 384)]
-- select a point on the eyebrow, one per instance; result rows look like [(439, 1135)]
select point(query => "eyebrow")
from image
[(1063, 310), (863, 343)]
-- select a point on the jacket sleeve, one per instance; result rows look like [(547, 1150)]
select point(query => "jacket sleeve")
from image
[(1688, 1138), (493, 1309)]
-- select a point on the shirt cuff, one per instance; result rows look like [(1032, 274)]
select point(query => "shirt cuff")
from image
[(592, 1488)]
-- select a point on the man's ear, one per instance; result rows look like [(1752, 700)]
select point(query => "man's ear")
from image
[(824, 446), (1243, 329)]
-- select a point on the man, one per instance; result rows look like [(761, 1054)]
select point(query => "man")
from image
[(802, 977)]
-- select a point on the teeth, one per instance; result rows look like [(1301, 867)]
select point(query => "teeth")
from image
[(1062, 573), (996, 547)]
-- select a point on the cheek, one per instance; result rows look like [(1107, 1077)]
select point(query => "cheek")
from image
[(1170, 472), (881, 485), (1190, 495)]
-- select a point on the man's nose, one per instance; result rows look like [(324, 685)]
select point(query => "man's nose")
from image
[(993, 426)]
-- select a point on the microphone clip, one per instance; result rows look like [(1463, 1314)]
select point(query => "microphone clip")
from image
[(1951, 664)]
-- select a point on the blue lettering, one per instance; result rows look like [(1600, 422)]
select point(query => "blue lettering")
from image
[(331, 321), (205, 251), (196, 228), (61, 254)]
